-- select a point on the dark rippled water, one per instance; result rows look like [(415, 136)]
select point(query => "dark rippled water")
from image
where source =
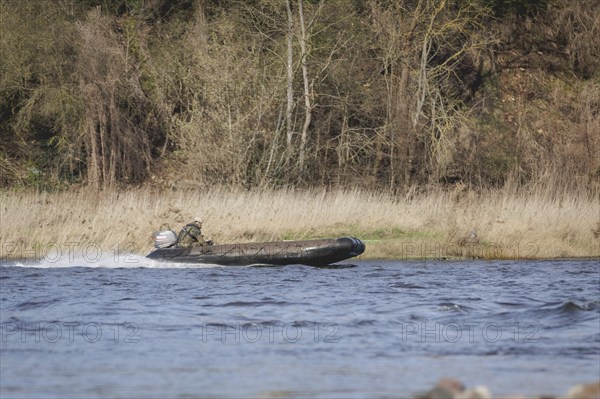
[(374, 329)]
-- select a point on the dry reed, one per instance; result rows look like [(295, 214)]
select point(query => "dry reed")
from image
[(496, 224)]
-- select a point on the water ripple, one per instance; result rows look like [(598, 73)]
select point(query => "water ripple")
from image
[(214, 330)]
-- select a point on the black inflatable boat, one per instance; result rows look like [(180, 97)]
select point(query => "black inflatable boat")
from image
[(309, 252)]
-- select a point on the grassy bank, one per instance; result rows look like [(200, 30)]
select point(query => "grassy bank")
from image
[(506, 223)]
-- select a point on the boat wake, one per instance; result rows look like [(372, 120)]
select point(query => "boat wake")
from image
[(106, 261)]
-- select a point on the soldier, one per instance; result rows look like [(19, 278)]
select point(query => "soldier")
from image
[(191, 234)]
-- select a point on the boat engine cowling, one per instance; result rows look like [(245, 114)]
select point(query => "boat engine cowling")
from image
[(165, 239)]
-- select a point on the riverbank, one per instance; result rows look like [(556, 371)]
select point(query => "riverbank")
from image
[(440, 224)]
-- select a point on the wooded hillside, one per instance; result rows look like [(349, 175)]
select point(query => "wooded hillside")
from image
[(378, 94)]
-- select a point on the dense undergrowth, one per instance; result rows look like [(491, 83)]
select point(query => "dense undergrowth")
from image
[(385, 95), (429, 128)]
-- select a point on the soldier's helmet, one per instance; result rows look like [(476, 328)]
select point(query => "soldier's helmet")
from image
[(198, 219)]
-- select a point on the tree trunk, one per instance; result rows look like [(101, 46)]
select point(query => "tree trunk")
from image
[(405, 128), (290, 83), (307, 102)]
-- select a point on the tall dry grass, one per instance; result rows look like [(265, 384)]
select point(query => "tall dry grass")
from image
[(508, 223)]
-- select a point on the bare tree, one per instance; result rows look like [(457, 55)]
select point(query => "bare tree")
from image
[(423, 44), (290, 80), (307, 88), (117, 148)]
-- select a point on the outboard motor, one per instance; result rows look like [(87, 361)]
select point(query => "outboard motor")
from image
[(165, 239)]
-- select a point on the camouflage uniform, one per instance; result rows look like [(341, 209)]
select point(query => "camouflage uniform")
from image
[(191, 236)]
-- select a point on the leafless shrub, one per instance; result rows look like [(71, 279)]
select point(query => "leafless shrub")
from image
[(423, 44), (116, 144), (575, 28)]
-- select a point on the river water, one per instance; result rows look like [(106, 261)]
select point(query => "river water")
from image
[(130, 327)]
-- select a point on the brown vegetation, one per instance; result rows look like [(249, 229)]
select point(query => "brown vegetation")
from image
[(475, 125), (380, 94), (440, 224)]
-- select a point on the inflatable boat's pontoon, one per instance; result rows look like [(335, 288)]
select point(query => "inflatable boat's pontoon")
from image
[(309, 252)]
